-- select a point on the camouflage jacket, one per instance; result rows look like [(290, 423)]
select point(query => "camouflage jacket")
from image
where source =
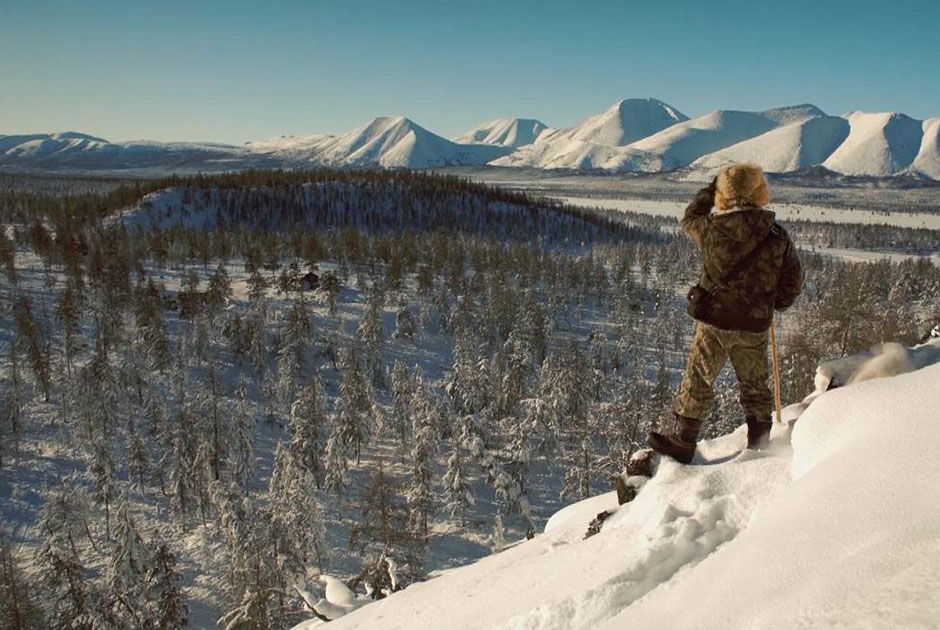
[(772, 280)]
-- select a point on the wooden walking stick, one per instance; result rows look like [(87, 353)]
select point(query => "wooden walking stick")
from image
[(776, 362)]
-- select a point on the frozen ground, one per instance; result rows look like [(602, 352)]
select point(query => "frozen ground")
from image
[(841, 530)]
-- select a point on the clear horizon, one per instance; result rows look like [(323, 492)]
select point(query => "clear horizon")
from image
[(239, 71)]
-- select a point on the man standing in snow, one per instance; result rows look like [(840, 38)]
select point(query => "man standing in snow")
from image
[(750, 269)]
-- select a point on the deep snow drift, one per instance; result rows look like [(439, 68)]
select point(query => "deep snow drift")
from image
[(840, 530)]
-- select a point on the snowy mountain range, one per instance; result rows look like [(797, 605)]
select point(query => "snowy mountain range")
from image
[(633, 135)]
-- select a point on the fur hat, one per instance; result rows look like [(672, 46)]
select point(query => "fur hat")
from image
[(741, 185)]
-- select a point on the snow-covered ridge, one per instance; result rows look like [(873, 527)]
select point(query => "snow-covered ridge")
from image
[(839, 530), (632, 135), (505, 132), (592, 143)]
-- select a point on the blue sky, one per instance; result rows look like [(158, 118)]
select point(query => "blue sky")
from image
[(243, 70)]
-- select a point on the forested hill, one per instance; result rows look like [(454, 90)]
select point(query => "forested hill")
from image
[(324, 199)]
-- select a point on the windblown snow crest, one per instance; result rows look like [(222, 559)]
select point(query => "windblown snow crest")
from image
[(767, 539)]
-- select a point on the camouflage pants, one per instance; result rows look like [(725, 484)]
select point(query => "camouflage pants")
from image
[(711, 349)]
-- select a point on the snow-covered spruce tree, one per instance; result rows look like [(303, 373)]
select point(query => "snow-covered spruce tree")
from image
[(291, 359), (406, 323), (256, 323), (458, 491), (213, 417), (99, 399), (355, 405), (180, 445), (18, 608), (151, 329), (466, 386), (69, 313), (425, 443), (402, 391), (8, 256), (308, 424), (218, 292), (162, 589), (296, 517), (138, 462), (255, 578), (11, 406), (29, 336), (371, 333), (662, 391), (336, 464), (382, 533), (127, 567), (269, 399), (566, 390), (71, 599), (598, 362), (102, 474), (241, 454), (625, 421), (329, 291)]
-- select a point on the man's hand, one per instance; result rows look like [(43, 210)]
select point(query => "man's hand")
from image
[(696, 215)]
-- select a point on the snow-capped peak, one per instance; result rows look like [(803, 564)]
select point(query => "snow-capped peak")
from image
[(396, 141), (626, 121)]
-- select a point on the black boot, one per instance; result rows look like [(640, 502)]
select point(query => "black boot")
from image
[(681, 444), (758, 432)]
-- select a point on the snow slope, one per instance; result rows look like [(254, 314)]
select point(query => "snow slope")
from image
[(927, 161), (590, 143), (841, 530), (505, 132), (792, 147), (878, 144)]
